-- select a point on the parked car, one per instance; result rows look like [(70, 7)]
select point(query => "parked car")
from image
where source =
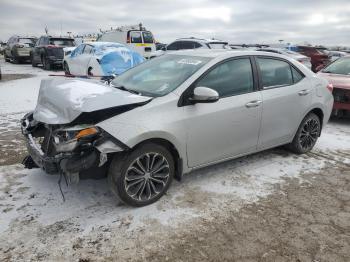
[(100, 59), (174, 114), (194, 43), (18, 49), (338, 74), (334, 55), (2, 47), (306, 61), (318, 58), (136, 37), (48, 51)]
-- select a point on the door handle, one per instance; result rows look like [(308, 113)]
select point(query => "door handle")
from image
[(255, 103), (304, 92)]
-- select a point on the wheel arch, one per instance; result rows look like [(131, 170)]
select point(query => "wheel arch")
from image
[(319, 112), (172, 149)]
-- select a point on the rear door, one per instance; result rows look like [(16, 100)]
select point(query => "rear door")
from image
[(230, 126), (74, 60), (286, 96), (84, 58)]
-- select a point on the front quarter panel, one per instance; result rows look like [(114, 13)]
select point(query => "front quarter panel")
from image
[(159, 119)]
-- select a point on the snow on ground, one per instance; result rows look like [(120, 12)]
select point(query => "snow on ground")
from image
[(30, 200), (20, 95)]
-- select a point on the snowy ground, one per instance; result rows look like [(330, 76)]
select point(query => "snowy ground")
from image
[(35, 224)]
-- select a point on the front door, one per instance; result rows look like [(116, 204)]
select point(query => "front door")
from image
[(230, 126)]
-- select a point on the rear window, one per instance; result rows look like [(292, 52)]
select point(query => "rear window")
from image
[(147, 37), (27, 41), (135, 37), (61, 42), (275, 72)]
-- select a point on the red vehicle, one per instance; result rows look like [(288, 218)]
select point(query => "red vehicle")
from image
[(338, 74), (318, 58)]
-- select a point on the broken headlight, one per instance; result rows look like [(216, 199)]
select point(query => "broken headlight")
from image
[(67, 139)]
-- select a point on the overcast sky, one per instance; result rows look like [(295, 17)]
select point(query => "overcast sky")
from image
[(237, 21)]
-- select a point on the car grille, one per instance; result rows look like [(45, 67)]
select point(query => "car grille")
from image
[(341, 95)]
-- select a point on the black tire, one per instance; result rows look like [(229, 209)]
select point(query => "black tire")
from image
[(15, 59), (89, 71), (32, 60), (66, 68), (46, 64), (140, 193), (6, 58), (307, 134)]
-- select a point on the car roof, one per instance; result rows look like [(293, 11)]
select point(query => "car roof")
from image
[(97, 44), (201, 40), (214, 53)]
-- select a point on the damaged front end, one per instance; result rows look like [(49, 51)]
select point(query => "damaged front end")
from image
[(66, 149)]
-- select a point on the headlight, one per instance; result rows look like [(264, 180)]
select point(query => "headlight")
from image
[(67, 139), (91, 131)]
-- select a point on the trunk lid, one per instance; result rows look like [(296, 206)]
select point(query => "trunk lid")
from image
[(61, 101)]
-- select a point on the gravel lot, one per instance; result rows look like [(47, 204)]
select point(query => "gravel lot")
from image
[(271, 206)]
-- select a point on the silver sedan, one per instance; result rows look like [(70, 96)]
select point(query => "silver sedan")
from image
[(174, 114)]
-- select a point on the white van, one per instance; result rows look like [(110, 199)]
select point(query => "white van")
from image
[(135, 37)]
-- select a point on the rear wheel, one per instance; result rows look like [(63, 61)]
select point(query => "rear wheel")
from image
[(15, 59), (46, 64), (6, 57), (143, 176), (33, 63), (307, 134)]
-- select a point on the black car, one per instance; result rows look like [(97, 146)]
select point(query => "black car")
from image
[(48, 51)]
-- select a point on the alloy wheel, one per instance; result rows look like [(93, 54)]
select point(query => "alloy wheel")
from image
[(309, 134), (147, 176)]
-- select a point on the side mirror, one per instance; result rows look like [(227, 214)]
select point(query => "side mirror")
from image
[(204, 95)]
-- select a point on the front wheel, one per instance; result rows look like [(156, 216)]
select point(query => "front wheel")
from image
[(307, 134), (143, 176), (66, 68)]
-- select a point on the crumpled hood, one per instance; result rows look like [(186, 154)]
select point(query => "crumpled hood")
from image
[(60, 101)]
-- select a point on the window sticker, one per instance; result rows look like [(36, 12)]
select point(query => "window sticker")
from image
[(189, 61)]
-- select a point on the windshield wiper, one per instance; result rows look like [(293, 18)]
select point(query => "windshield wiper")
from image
[(128, 90)]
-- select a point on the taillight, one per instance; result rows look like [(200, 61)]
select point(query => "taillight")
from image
[(330, 87)]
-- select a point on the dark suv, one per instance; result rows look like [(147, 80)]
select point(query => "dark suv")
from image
[(18, 48), (48, 51), (318, 58)]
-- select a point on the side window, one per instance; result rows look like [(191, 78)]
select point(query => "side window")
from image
[(297, 76), (275, 72), (173, 46), (187, 45), (230, 78), (135, 37), (77, 51), (87, 49), (197, 45)]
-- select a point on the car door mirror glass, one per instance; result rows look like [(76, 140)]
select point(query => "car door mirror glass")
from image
[(203, 94)]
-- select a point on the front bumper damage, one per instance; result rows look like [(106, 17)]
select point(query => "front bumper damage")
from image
[(72, 157)]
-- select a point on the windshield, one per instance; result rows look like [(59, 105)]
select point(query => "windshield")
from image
[(159, 76), (340, 66), (147, 37), (219, 46), (61, 42)]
